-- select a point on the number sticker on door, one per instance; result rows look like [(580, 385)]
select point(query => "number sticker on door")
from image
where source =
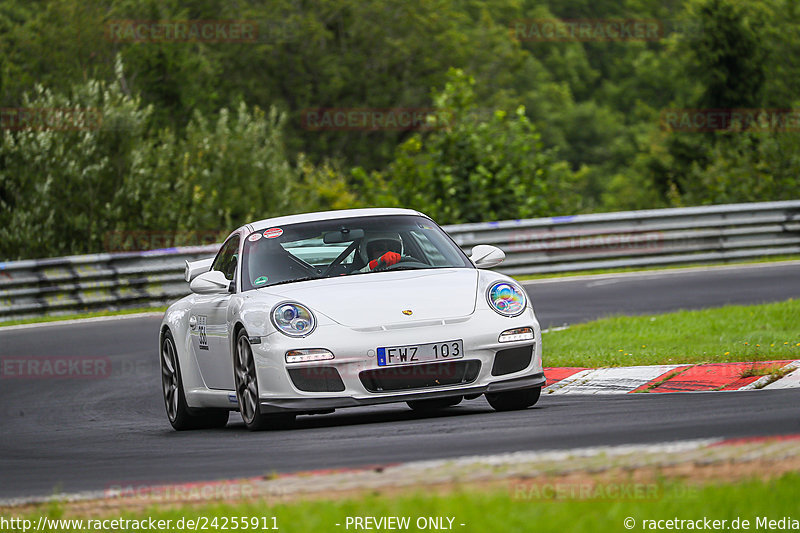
[(201, 327)]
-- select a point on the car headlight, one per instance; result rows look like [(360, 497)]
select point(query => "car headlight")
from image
[(293, 319), (506, 298)]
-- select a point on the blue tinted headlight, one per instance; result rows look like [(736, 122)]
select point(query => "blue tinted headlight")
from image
[(506, 298), (293, 319)]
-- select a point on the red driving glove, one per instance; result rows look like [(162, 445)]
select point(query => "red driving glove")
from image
[(387, 259)]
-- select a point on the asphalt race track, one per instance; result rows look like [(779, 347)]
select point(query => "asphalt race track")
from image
[(90, 434)]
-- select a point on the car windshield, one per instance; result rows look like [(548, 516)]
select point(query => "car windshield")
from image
[(346, 246)]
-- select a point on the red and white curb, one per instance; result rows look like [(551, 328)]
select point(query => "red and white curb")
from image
[(673, 378)]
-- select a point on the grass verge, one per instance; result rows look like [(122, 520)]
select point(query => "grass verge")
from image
[(518, 507), (726, 334), (76, 316)]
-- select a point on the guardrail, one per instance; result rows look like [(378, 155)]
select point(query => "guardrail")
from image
[(656, 237), (533, 246), (78, 283)]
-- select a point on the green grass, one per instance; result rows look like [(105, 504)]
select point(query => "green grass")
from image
[(598, 271), (519, 509), (74, 316), (726, 334)]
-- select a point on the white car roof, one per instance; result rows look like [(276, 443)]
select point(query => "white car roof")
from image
[(328, 215)]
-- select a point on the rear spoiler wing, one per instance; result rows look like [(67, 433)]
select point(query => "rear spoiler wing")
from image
[(195, 268)]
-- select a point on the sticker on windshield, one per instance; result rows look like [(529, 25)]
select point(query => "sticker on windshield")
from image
[(260, 280), (254, 237), (272, 233)]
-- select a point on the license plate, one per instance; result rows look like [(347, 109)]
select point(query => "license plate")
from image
[(420, 353)]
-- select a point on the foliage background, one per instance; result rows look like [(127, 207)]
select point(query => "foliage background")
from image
[(205, 136)]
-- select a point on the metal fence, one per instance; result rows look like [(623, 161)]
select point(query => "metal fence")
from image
[(533, 246), (95, 282), (655, 237)]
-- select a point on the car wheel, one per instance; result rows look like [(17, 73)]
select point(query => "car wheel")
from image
[(434, 404), (180, 415), (246, 381), (514, 400)]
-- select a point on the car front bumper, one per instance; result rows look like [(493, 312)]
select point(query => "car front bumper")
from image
[(355, 352)]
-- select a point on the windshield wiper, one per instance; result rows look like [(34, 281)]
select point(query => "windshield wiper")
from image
[(289, 281), (405, 268)]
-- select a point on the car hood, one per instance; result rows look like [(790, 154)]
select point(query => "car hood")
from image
[(381, 298)]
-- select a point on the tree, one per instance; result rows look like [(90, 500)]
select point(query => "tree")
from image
[(472, 168), (729, 57), (60, 170)]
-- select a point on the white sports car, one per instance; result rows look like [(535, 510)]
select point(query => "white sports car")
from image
[(307, 313)]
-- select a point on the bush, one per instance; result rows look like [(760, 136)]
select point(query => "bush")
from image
[(64, 190), (473, 168), (59, 182)]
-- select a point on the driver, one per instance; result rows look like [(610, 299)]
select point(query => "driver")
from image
[(380, 250)]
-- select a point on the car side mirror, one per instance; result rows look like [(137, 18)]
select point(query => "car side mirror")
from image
[(195, 268), (211, 282), (486, 256)]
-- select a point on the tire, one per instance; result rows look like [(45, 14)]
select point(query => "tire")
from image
[(434, 404), (514, 400), (246, 382), (180, 415)]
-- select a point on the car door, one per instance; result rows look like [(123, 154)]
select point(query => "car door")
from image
[(210, 337)]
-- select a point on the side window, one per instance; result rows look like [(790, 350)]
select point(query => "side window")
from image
[(227, 258)]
